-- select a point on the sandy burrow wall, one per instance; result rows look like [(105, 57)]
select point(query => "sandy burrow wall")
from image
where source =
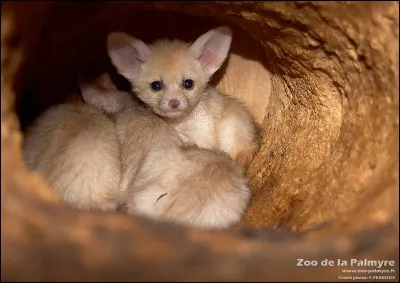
[(329, 152)]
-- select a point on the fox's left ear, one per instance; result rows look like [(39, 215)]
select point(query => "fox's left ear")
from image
[(211, 48)]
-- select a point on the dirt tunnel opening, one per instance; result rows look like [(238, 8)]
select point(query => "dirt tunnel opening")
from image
[(320, 78)]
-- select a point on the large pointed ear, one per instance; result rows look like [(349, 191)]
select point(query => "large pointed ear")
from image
[(127, 54), (103, 94), (211, 49)]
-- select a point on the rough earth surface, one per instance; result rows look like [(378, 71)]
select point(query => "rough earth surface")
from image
[(326, 174)]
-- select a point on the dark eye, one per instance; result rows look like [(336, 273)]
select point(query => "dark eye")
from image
[(156, 85), (188, 84)]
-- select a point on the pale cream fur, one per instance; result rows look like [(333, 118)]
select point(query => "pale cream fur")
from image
[(190, 186), (207, 118), (161, 178), (75, 148)]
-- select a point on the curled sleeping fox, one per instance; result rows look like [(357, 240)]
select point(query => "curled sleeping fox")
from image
[(74, 146)]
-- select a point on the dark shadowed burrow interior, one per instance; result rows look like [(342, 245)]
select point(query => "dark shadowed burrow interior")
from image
[(321, 79)]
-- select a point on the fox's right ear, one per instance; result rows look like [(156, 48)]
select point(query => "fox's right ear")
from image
[(127, 54)]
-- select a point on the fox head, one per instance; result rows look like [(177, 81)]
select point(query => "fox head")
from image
[(170, 76)]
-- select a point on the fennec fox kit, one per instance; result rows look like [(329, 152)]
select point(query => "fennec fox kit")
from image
[(75, 148), (164, 180), (172, 77)]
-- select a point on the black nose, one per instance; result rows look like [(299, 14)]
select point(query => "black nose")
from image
[(174, 103)]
